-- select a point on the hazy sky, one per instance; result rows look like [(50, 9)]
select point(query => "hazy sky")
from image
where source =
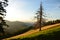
[(24, 10)]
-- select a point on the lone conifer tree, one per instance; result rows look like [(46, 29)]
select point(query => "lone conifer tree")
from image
[(39, 17)]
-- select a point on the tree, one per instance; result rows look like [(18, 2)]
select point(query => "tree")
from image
[(3, 4), (39, 16)]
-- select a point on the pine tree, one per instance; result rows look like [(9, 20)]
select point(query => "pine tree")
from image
[(39, 17), (3, 4)]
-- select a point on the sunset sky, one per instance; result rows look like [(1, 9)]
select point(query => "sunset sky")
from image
[(24, 10)]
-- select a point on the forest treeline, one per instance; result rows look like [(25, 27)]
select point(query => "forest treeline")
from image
[(51, 22)]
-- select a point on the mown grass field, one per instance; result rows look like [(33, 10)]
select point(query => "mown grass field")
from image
[(49, 34)]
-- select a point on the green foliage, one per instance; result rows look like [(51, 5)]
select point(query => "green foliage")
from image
[(3, 4), (50, 34)]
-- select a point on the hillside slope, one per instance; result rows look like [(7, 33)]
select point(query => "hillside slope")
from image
[(33, 31), (49, 34), (14, 26)]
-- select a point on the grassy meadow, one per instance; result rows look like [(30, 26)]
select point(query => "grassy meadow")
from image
[(49, 34)]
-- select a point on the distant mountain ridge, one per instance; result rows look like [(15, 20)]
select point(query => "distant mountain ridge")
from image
[(15, 26)]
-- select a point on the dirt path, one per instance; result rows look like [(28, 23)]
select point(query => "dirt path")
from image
[(32, 31), (50, 26)]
